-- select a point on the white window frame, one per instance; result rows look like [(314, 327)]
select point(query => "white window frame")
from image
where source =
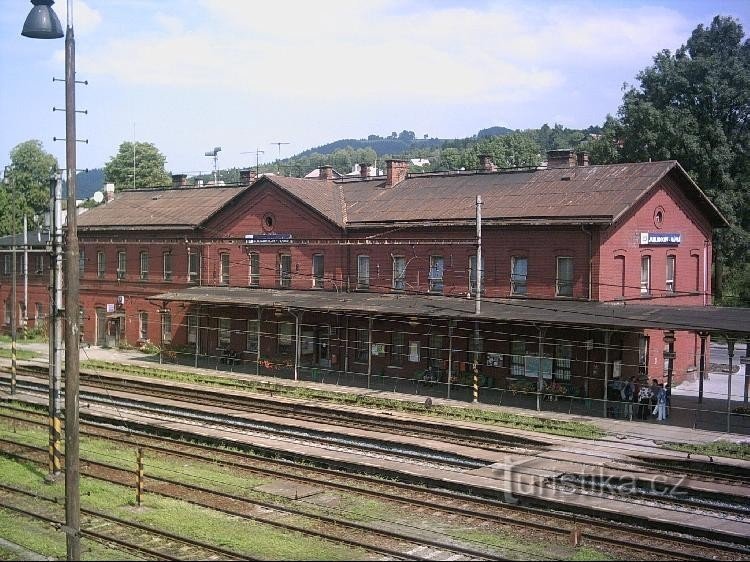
[(166, 327), (253, 265), (436, 274), (194, 267), (645, 275), (285, 273), (143, 261), (122, 264), (473, 274), (166, 264), (318, 271), (101, 264), (251, 343), (670, 284), (143, 325), (224, 268)]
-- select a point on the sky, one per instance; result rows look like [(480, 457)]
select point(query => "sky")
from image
[(191, 75)]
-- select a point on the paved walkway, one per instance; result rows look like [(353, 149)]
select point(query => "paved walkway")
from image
[(684, 425)]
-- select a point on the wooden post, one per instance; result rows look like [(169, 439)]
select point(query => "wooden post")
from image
[(139, 483)]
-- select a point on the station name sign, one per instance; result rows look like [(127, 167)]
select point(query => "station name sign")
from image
[(268, 238), (657, 238)]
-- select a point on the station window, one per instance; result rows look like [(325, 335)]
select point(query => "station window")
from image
[(101, 264), (143, 259), (396, 349), (362, 345), (81, 261), (563, 360), (39, 264), (193, 267), (224, 268), (251, 344), (671, 267), (318, 271), (285, 270), (518, 358), (645, 275), (167, 266), (285, 338), (192, 328), (166, 327), (564, 279), (519, 267), (225, 333), (399, 273), (473, 274), (254, 269), (363, 272), (121, 264), (7, 264), (143, 325)]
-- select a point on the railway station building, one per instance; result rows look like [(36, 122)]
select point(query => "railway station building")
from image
[(588, 275)]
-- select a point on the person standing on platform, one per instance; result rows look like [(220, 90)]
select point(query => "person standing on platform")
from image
[(627, 393), (661, 404), (644, 401)]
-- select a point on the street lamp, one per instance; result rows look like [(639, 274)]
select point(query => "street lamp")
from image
[(42, 23)]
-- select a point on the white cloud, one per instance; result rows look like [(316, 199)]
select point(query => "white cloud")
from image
[(85, 18), (343, 50)]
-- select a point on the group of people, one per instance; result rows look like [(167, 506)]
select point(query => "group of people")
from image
[(642, 400)]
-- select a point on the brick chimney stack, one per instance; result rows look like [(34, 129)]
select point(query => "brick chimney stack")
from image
[(179, 180), (583, 158), (247, 177), (561, 158), (486, 164), (364, 170), (396, 171), (326, 173)]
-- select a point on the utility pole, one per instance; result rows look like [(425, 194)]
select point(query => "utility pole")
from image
[(55, 330), (278, 160)]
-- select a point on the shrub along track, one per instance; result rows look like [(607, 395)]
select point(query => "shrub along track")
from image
[(109, 530), (631, 541)]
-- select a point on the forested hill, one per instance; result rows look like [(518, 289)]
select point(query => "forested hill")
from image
[(397, 143)]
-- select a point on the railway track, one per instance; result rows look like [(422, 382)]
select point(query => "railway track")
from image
[(636, 542), (108, 530), (393, 544)]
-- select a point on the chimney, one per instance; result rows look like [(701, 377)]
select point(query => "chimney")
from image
[(561, 158), (179, 180), (109, 192), (326, 173), (364, 170), (247, 177), (486, 164), (396, 171), (583, 158)]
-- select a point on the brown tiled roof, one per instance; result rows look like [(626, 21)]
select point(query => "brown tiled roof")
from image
[(323, 196), (148, 208), (588, 193)]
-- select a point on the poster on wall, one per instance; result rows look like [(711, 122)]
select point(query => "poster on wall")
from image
[(494, 360), (414, 351)]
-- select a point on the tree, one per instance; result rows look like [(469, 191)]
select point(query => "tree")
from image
[(28, 187), (509, 151), (149, 167), (694, 107), (406, 135)]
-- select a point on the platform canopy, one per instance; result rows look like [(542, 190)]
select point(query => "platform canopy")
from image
[(717, 320)]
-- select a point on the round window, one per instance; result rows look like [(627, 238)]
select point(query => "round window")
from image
[(268, 222), (658, 217)]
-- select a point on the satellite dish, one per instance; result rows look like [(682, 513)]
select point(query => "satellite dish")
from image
[(98, 196)]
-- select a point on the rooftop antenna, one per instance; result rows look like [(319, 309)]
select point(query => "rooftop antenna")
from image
[(215, 154), (278, 166), (257, 152)]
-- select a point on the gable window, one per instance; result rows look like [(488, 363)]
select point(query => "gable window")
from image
[(285, 270), (193, 267), (435, 276), (143, 258), (167, 266), (519, 269), (224, 268), (254, 265), (363, 272), (564, 279), (671, 266), (121, 264), (620, 268), (645, 275), (100, 265), (399, 273), (143, 325), (318, 271)]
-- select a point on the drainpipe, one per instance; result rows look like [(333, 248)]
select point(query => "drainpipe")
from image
[(702, 368)]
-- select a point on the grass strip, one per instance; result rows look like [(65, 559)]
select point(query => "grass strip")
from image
[(582, 430), (714, 449)]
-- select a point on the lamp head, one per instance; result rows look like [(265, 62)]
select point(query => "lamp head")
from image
[(42, 22)]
